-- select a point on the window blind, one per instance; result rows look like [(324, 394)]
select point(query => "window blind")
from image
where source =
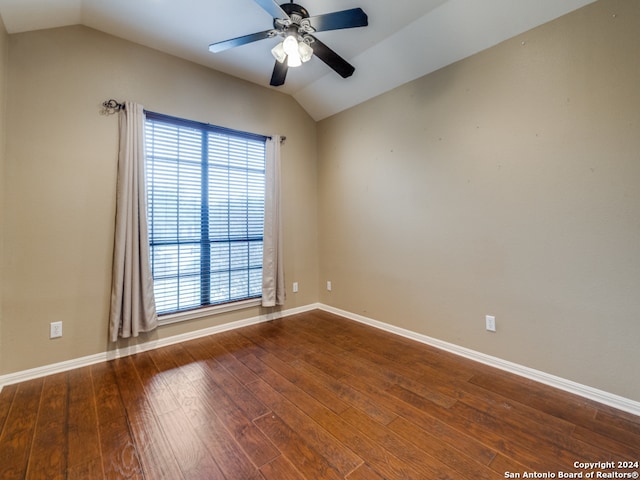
[(205, 188)]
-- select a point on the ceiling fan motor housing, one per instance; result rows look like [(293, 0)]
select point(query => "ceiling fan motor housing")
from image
[(297, 22), (293, 9)]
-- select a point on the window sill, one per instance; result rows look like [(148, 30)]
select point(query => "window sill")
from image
[(207, 311)]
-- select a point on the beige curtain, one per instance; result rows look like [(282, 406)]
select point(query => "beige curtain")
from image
[(272, 257), (133, 307)]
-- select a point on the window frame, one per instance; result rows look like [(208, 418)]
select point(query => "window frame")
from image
[(212, 308)]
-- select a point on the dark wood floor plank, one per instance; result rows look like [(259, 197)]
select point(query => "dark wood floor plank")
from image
[(376, 456), (152, 445), (155, 386), (91, 468), (119, 455), (242, 397), (171, 372), (349, 395), (212, 431), (83, 448), (503, 466), (363, 472), (412, 411), (286, 344), (211, 348), (189, 369), (458, 460), (310, 396), (383, 372), (254, 443), (237, 343), (336, 454), (280, 469), (427, 465), (376, 343), (618, 418), (48, 457), (520, 426), (6, 399), (515, 412), (295, 449), (536, 395), (18, 431), (198, 455), (383, 462), (426, 389), (210, 401), (198, 409), (524, 444), (618, 429), (193, 457), (490, 431), (107, 396), (276, 346), (306, 382), (620, 446)]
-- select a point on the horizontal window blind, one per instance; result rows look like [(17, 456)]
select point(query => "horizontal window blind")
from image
[(205, 188)]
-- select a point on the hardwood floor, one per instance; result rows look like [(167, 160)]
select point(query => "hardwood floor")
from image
[(312, 396)]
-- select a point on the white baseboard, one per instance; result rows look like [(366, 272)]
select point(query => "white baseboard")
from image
[(38, 372), (584, 391)]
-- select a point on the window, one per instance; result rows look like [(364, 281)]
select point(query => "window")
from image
[(205, 188)]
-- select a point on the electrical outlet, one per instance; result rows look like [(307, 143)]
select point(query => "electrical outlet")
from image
[(295, 287), (55, 329), (490, 322), (329, 285)]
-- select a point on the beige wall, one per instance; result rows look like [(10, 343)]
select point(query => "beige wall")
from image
[(4, 60), (506, 184), (60, 173)]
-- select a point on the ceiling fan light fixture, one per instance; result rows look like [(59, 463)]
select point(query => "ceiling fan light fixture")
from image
[(305, 51), (294, 60), (292, 50), (278, 53), (296, 53), (290, 45)]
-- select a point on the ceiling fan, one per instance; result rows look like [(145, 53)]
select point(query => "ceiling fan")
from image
[(293, 23)]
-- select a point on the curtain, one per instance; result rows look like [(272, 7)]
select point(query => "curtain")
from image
[(133, 307), (272, 256)]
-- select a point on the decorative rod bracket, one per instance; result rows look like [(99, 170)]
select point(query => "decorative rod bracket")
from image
[(111, 106)]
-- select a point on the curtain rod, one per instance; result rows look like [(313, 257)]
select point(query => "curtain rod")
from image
[(113, 106)]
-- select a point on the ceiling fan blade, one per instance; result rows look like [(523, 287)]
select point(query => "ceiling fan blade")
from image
[(272, 8), (337, 20), (331, 58), (236, 42), (279, 73)]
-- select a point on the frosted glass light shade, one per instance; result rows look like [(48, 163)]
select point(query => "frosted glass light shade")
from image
[(290, 45), (306, 52), (278, 53), (294, 60)]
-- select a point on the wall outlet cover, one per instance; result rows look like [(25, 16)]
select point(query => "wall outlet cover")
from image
[(490, 322), (55, 329)]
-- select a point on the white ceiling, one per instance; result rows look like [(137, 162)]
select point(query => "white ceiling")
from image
[(405, 39)]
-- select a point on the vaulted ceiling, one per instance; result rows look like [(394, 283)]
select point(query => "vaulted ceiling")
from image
[(405, 39)]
